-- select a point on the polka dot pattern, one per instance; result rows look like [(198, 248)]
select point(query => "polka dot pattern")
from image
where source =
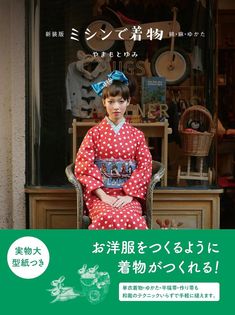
[(101, 142), (104, 216)]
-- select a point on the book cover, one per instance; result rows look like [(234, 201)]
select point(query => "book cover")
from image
[(153, 94), (47, 265), (153, 90)]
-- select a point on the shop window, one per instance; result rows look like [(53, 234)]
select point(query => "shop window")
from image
[(63, 33)]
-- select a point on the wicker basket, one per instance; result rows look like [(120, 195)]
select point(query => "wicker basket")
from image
[(196, 143)]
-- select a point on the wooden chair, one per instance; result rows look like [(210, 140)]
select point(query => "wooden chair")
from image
[(83, 219)]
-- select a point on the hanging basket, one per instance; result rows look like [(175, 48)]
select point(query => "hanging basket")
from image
[(196, 129)]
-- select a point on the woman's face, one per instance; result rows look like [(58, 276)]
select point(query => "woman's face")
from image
[(116, 107)]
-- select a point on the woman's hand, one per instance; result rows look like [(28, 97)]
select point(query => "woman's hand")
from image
[(110, 200), (104, 197), (122, 201), (116, 202)]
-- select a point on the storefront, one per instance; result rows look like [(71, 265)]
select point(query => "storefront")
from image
[(12, 115), (62, 35)]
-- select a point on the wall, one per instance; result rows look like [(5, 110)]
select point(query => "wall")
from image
[(12, 114)]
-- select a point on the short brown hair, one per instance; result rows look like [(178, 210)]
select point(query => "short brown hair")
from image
[(116, 88)]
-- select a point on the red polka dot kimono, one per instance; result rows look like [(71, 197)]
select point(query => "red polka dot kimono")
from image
[(127, 146)]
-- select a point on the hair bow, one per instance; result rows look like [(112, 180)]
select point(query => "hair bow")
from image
[(113, 76)]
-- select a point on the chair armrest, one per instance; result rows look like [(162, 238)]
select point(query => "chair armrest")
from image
[(157, 174), (69, 171)]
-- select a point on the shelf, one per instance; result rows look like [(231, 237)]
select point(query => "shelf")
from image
[(226, 48), (186, 86)]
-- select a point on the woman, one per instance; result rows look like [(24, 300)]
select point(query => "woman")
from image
[(116, 140)]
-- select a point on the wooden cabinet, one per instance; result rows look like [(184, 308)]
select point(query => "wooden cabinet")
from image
[(52, 208), (195, 209)]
